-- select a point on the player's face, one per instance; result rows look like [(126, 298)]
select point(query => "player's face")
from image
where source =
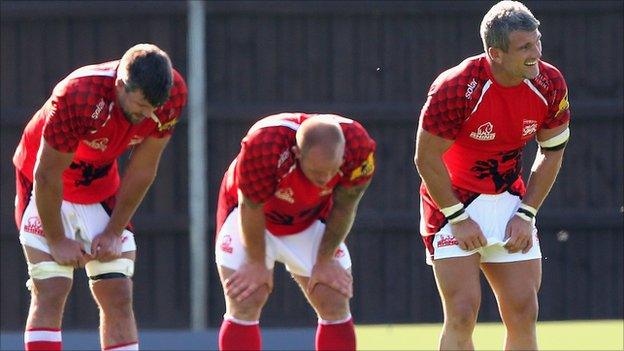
[(318, 167), (520, 60), (133, 104)]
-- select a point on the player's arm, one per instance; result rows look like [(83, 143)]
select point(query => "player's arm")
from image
[(48, 190), (428, 160), (545, 168), (547, 163), (253, 225), (138, 177), (253, 274), (340, 219)]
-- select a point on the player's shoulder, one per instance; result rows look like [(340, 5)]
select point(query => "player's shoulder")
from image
[(179, 90), (470, 71), (549, 79), (279, 128), (97, 79)]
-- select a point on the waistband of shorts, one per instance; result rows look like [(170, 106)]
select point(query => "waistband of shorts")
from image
[(496, 197)]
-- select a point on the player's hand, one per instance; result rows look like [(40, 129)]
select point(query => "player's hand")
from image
[(520, 235), (332, 274), (247, 279), (468, 235), (68, 252), (106, 246)]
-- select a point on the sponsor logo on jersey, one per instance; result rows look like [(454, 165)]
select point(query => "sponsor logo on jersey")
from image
[(542, 81), (529, 127), (226, 244), (447, 240), (471, 87), (98, 108), (283, 157), (98, 144), (484, 132), (286, 194), (366, 168), (33, 226), (136, 139)]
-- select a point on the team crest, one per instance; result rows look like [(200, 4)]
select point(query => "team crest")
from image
[(529, 127)]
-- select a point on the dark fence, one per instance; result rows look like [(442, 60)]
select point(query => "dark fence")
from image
[(372, 61)]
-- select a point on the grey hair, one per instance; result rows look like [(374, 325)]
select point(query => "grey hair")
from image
[(502, 19)]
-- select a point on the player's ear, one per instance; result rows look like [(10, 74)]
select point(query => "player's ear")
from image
[(296, 151), (495, 54)]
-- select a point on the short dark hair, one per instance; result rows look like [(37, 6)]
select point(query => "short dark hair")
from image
[(148, 68)]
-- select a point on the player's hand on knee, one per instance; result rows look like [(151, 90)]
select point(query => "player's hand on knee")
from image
[(247, 279), (331, 273), (468, 234), (519, 235), (67, 252), (106, 246)]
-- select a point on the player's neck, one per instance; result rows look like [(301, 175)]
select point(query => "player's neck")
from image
[(502, 77)]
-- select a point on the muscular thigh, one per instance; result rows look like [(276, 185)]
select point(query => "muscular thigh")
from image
[(458, 277), (514, 280)]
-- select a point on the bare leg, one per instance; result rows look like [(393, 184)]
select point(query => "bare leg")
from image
[(460, 290), (516, 285), (48, 296), (114, 299), (328, 303)]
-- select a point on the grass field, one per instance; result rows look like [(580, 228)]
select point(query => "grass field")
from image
[(574, 335)]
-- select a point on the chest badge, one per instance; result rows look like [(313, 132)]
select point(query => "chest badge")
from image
[(485, 132), (529, 127)]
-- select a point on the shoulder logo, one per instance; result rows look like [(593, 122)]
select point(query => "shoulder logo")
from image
[(98, 144), (286, 194), (366, 168), (529, 127), (564, 104), (485, 132)]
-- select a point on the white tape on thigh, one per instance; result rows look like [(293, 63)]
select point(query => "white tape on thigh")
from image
[(47, 269), (120, 265)]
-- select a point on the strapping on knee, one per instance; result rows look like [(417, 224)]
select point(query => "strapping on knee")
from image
[(47, 269), (119, 268)]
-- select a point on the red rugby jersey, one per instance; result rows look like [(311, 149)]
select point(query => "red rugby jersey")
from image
[(82, 116), (490, 124), (266, 171)]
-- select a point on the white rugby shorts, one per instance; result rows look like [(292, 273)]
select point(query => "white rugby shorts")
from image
[(491, 213), (297, 251), (80, 222)]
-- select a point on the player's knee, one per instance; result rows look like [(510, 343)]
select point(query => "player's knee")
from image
[(329, 303), (250, 308), (522, 311), (462, 314)]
